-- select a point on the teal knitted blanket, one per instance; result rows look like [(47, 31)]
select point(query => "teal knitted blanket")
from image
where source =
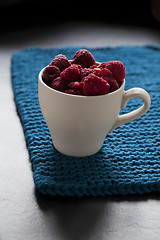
[(129, 161)]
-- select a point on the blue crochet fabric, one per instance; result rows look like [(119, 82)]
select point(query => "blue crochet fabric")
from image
[(129, 161)]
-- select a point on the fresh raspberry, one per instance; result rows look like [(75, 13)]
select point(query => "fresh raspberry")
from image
[(93, 66), (104, 72), (84, 58), (82, 76), (50, 73), (74, 91), (71, 74), (96, 71), (76, 85), (86, 71), (113, 84), (118, 70), (58, 84), (61, 62), (102, 65), (79, 66), (94, 85)]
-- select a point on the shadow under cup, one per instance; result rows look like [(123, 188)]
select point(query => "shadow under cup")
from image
[(79, 124)]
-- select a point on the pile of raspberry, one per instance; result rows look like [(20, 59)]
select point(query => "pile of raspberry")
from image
[(82, 76)]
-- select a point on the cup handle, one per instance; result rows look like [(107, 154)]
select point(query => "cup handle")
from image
[(132, 93)]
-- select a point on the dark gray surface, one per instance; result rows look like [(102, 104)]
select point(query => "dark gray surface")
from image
[(25, 213)]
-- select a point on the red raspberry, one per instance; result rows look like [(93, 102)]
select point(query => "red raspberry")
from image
[(96, 71), (86, 71), (93, 66), (118, 70), (76, 85), (102, 65), (113, 84), (71, 74), (58, 84), (74, 91), (94, 85), (61, 62), (84, 58), (50, 73), (79, 66), (104, 72)]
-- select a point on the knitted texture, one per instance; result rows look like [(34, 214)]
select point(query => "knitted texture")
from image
[(128, 162)]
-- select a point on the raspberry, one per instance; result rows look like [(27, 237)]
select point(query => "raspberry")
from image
[(102, 65), (86, 71), (113, 84), (74, 91), (76, 85), (93, 66), (58, 84), (117, 69), (84, 58), (79, 66), (104, 72), (82, 76), (50, 73), (94, 85), (96, 71), (61, 62), (71, 74)]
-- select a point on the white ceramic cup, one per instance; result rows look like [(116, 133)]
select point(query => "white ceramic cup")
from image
[(79, 124)]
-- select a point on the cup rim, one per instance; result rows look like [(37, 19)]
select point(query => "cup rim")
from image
[(78, 96)]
